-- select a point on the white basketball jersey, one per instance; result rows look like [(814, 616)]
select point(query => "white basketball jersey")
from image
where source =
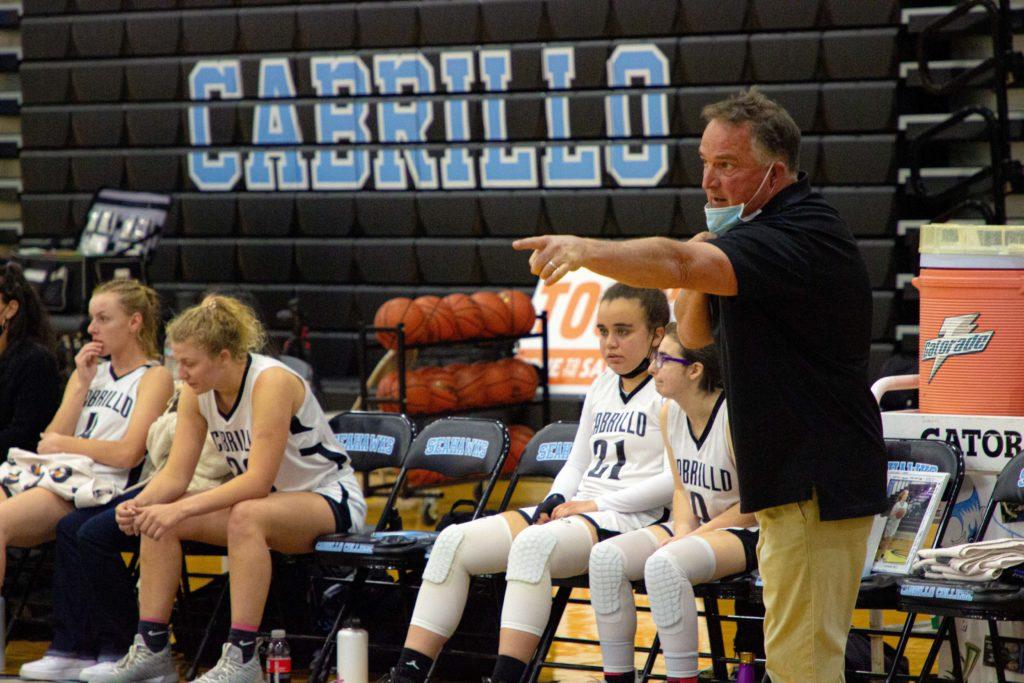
[(108, 407), (705, 462), (313, 459), (622, 436)]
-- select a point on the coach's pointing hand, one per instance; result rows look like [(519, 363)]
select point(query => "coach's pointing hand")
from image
[(553, 255)]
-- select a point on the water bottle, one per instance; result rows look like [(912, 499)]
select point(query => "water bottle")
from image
[(353, 648), (745, 674), (279, 658)]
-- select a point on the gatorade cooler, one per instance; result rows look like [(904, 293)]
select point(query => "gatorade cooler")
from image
[(972, 319)]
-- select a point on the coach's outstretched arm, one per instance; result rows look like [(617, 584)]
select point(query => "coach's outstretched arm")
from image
[(696, 265)]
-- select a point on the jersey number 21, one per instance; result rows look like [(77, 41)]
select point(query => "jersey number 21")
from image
[(601, 453)]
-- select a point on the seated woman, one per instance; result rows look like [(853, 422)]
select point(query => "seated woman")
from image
[(709, 538), (29, 377), (292, 483), (618, 445), (106, 412)]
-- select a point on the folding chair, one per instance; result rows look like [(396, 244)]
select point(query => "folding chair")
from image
[(879, 591), (373, 441), (992, 601), (454, 447)]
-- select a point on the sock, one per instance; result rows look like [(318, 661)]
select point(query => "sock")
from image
[(155, 634), (244, 639), (624, 677), (412, 667), (508, 670)]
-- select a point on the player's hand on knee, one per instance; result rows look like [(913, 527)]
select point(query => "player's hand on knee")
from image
[(156, 520), (574, 507), (125, 514)]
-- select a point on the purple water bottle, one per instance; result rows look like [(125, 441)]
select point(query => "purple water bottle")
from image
[(745, 674)]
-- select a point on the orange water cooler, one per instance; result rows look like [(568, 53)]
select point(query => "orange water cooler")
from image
[(972, 319)]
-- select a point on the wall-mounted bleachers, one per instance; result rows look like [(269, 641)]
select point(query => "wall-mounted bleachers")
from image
[(106, 87)]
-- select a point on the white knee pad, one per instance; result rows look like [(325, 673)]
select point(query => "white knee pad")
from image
[(607, 574), (670, 575), (442, 554), (531, 551)]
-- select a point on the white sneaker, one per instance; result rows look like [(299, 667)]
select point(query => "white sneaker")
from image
[(97, 670), (231, 669), (54, 668), (140, 665)]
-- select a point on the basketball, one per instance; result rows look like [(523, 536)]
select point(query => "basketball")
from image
[(443, 397), (418, 479), (388, 388), (400, 310), (469, 385), (469, 322), (522, 377), (497, 389), (496, 316), (417, 393), (521, 309), (519, 436), (440, 320)]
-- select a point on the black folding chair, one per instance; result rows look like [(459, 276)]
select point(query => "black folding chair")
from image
[(373, 441), (877, 591), (453, 447), (991, 601)]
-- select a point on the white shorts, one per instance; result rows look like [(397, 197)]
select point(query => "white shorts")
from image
[(608, 522), (349, 510)]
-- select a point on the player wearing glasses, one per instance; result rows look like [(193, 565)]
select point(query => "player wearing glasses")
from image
[(708, 538)]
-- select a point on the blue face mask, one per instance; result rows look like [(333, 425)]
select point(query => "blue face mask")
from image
[(722, 219)]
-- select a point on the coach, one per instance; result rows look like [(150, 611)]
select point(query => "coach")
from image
[(780, 281)]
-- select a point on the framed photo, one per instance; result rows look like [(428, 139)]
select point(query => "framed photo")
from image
[(914, 497)]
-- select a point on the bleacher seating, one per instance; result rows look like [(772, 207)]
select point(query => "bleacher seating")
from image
[(105, 88)]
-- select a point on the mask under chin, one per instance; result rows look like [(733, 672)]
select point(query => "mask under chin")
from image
[(638, 370)]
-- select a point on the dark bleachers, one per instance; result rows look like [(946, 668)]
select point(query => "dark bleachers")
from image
[(109, 79), (448, 261), (324, 261), (265, 260), (386, 261)]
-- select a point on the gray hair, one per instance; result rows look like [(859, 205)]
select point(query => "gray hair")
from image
[(774, 133)]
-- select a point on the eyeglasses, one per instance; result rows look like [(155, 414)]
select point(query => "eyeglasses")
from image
[(660, 358)]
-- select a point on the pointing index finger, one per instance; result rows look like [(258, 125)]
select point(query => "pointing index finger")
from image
[(530, 243)]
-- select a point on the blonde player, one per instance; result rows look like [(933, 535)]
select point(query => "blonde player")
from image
[(292, 483), (618, 445), (709, 537)]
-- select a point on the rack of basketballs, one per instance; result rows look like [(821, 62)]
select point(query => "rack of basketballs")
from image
[(448, 377)]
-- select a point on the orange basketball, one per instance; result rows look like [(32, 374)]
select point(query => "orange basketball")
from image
[(522, 377), (497, 317), (469, 385), (521, 309), (469, 322), (417, 393), (388, 388), (418, 479), (519, 436), (497, 389), (400, 310), (443, 397), (440, 319)]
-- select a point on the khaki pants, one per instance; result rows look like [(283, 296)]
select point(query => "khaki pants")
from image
[(811, 571)]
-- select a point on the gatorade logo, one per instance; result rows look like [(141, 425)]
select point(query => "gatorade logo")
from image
[(956, 338)]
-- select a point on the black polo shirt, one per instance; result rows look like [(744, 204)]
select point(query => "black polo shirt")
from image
[(795, 342)]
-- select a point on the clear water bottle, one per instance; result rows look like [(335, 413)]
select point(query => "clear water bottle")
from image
[(745, 674), (279, 658)]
